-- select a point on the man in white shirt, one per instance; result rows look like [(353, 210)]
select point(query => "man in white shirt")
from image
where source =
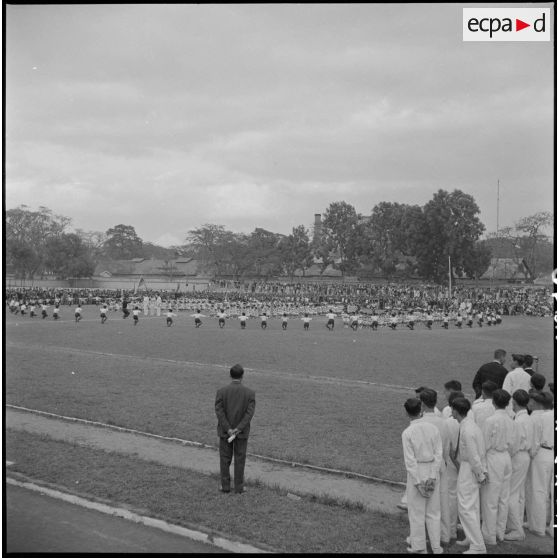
[(422, 450), (521, 460), (499, 437), (541, 472), (306, 321), (428, 398), (471, 457), (483, 408), (516, 378)]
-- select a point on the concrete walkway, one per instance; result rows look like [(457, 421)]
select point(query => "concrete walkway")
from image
[(374, 496)]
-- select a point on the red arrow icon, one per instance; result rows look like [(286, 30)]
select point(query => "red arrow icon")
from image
[(519, 25)]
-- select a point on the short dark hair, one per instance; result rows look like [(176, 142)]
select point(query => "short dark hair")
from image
[(548, 402), (551, 387), (528, 361), (237, 372), (538, 381), (429, 397), (537, 396), (521, 397), (501, 398), (499, 353), (412, 406), (519, 359), (453, 385), (461, 405), (489, 387), (454, 395), (420, 389)]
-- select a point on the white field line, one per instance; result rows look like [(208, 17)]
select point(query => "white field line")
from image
[(220, 542), (351, 474), (274, 373)]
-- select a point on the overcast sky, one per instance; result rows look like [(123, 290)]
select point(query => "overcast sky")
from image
[(166, 117)]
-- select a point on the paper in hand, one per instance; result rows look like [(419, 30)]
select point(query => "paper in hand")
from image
[(231, 438)]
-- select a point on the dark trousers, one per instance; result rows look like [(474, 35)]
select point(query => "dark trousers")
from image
[(226, 451)]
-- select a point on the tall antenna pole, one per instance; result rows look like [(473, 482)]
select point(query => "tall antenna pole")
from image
[(498, 208)]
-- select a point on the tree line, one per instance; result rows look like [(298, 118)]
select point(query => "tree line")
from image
[(402, 239)]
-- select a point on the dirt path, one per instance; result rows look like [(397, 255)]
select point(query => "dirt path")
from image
[(374, 496)]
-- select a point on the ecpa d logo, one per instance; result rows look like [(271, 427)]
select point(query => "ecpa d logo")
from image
[(506, 24)]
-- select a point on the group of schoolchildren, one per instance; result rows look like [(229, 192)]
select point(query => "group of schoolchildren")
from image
[(485, 467)]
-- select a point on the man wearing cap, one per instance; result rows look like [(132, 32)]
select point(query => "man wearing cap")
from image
[(493, 371), (422, 450), (541, 471), (234, 406)]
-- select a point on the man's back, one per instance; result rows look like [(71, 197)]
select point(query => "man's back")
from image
[(493, 371), (235, 405)]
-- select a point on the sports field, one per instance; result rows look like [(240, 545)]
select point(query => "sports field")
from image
[(332, 399)]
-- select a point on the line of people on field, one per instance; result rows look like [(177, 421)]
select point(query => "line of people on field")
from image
[(488, 464)]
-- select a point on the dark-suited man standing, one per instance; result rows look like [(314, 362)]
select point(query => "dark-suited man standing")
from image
[(494, 371), (234, 406)]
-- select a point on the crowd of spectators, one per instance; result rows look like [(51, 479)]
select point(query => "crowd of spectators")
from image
[(359, 297)]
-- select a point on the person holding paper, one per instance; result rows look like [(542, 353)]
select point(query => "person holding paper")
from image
[(234, 406)]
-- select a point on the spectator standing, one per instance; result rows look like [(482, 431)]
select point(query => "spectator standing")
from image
[(235, 405), (493, 371)]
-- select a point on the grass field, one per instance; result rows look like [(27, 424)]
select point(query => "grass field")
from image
[(327, 398)]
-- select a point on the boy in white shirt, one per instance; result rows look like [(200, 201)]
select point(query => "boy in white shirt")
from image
[(243, 317), (263, 318), (284, 320), (103, 311), (330, 320), (197, 318), (306, 321), (77, 313), (170, 316), (221, 316), (135, 314)]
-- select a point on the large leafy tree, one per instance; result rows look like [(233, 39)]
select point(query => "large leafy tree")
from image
[(209, 244), (389, 235), (449, 229), (123, 243), (263, 253), (341, 236), (295, 251), (477, 260), (27, 232), (67, 256)]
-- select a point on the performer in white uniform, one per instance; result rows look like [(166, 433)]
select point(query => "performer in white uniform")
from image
[(521, 460), (482, 407), (541, 472), (499, 437), (428, 398), (422, 449), (471, 457)]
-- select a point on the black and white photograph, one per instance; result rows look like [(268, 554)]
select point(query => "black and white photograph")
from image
[(279, 277)]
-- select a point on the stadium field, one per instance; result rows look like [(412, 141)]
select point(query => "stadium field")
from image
[(331, 399)]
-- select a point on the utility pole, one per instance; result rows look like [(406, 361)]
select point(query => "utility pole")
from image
[(449, 271), (498, 208)]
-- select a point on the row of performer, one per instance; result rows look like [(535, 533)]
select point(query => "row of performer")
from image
[(352, 320)]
